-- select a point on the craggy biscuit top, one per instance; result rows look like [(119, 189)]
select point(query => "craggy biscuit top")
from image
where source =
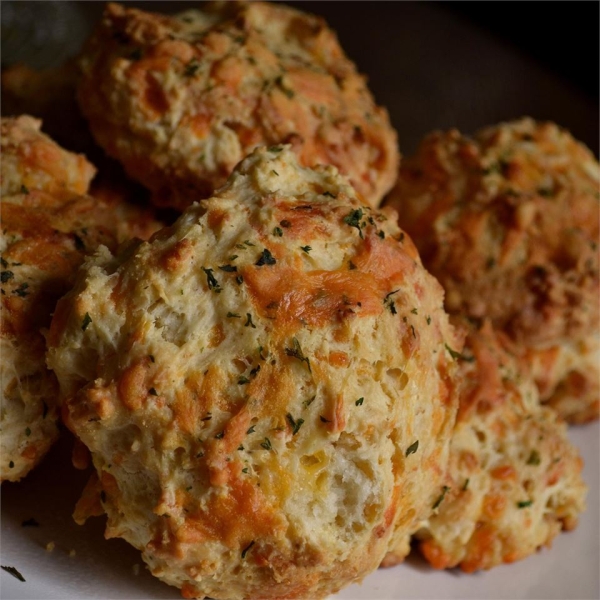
[(514, 479), (31, 160), (508, 222), (266, 387), (181, 100)]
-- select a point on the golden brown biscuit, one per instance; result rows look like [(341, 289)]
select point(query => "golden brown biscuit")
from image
[(508, 222), (265, 387), (47, 227), (514, 479), (181, 100)]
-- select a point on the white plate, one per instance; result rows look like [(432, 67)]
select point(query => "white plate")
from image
[(105, 569)]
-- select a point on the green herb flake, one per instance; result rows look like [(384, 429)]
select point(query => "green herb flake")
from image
[(534, 458), (213, 284), (381, 234), (220, 435), (228, 268), (387, 301), (275, 149), (231, 315), (414, 311), (247, 549), (27, 431), (233, 257), (323, 419), (239, 280), (277, 232), (294, 424), (191, 68), (359, 401), (306, 249), (21, 291), (275, 172), (524, 503), (266, 444), (441, 497), (308, 402), (251, 430), (249, 322), (24, 189), (266, 258), (296, 352), (353, 219), (458, 356), (3, 262), (86, 321), (14, 572), (466, 484), (6, 276), (428, 319), (243, 380), (412, 448), (11, 465), (329, 195)]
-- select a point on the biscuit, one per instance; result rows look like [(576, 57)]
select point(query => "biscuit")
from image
[(514, 479), (47, 227), (508, 222), (265, 388), (180, 100)]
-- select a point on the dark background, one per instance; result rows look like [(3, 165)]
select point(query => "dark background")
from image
[(432, 64)]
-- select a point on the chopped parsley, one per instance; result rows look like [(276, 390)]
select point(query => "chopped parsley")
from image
[(266, 444), (6, 276), (191, 68), (86, 321), (306, 249), (412, 448), (14, 572), (266, 258), (239, 280), (21, 290), (387, 301), (251, 430), (247, 548), (428, 319), (11, 465), (466, 484), (27, 431), (296, 352), (231, 315), (457, 355), (353, 219), (228, 268), (24, 189), (249, 322), (275, 172), (243, 380), (381, 234), (276, 149), (534, 458), (524, 503), (359, 401), (277, 232), (308, 402), (323, 419), (213, 284), (294, 424), (329, 195), (220, 435), (441, 497), (414, 311)]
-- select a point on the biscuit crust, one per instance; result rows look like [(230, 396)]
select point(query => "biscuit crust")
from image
[(249, 384), (47, 228), (508, 222), (514, 479), (180, 100)]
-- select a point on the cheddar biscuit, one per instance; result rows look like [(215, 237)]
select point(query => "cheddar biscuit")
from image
[(508, 222), (181, 100), (47, 227), (514, 479), (265, 388)]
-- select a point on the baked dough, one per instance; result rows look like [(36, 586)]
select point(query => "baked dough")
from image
[(265, 388), (180, 100)]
